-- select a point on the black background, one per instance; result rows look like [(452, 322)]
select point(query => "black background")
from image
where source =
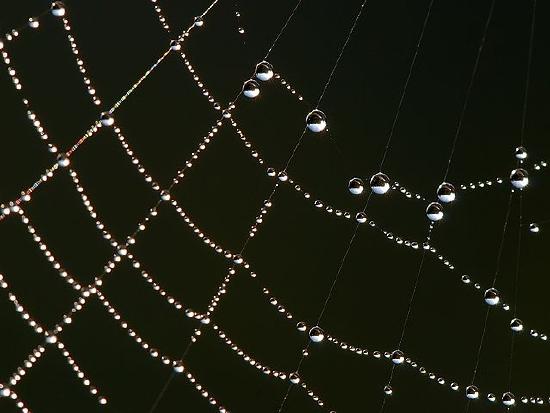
[(298, 249)]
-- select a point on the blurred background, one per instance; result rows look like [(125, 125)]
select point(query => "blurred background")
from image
[(298, 249)]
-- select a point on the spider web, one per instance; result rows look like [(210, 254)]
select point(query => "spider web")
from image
[(121, 249)]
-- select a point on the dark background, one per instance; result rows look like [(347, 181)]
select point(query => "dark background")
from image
[(298, 249)]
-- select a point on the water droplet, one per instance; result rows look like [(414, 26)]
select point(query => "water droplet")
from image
[(301, 326), (199, 22), (534, 228), (63, 160), (434, 211), (316, 121), (516, 324), (491, 397), (355, 186), (380, 183), (264, 71), (178, 367), (446, 192), (57, 9), (388, 390), (294, 378), (316, 334), (472, 392), (34, 23), (508, 399), (521, 152), (251, 89), (397, 357), (491, 296), (175, 45), (361, 217), (519, 178), (107, 119)]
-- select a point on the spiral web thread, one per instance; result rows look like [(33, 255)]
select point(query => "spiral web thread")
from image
[(121, 248)]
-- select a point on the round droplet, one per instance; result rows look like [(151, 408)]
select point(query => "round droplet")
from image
[(165, 195), (107, 119), (175, 45), (491, 296), (58, 9), (361, 217), (251, 89), (466, 279), (397, 357), (472, 392), (316, 334), (508, 399), (534, 228), (380, 183), (294, 378), (454, 386), (516, 324), (316, 121), (491, 397), (199, 22), (355, 186), (51, 339), (519, 178), (521, 152), (388, 390), (446, 192), (264, 71), (301, 326), (34, 23), (63, 160), (434, 211), (178, 367)]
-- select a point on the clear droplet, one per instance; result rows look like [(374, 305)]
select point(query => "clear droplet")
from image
[(519, 178), (472, 392), (446, 192), (175, 45), (58, 9), (516, 324), (33, 23), (316, 334), (165, 195), (63, 160), (397, 357), (316, 121), (491, 296), (294, 378), (521, 152), (534, 228), (178, 367), (355, 186), (361, 217), (301, 326), (199, 22), (107, 119), (264, 71), (491, 397), (251, 89), (388, 390), (380, 183), (508, 399), (434, 211)]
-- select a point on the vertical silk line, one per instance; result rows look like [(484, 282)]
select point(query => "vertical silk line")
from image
[(469, 89)]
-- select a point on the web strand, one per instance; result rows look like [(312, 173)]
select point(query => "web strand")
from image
[(469, 89)]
